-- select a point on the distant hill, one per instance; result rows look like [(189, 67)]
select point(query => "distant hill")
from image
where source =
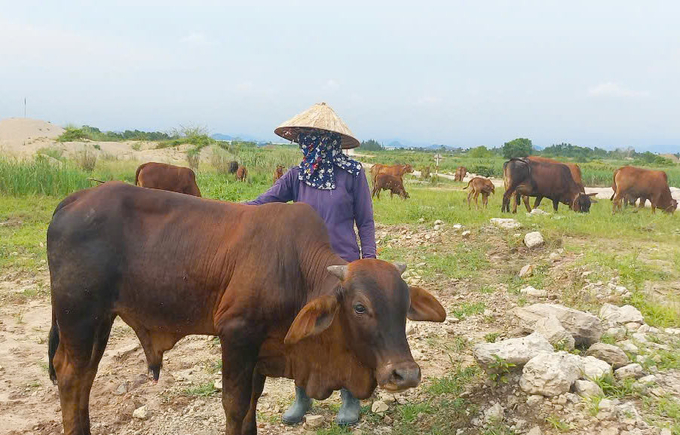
[(220, 136)]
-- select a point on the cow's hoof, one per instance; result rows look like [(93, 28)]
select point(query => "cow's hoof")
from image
[(297, 411), (350, 409)]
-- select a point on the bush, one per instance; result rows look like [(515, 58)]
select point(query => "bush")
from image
[(520, 147), (220, 160), (86, 160), (194, 158)]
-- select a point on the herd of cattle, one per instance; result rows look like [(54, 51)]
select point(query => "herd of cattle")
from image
[(172, 265)]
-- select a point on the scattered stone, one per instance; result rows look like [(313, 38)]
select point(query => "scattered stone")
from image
[(527, 270), (632, 326), (379, 407), (421, 220), (465, 234), (505, 223), (530, 291), (457, 226), (218, 384), (621, 315), (672, 331), (551, 328), (644, 329), (494, 414), (535, 430), (517, 351), (313, 421), (125, 351), (618, 333), (538, 212), (630, 371), (642, 338), (610, 431), (554, 257), (609, 353), (141, 413), (665, 431), (122, 389), (550, 374), (387, 420), (586, 388), (595, 368), (437, 227), (534, 400), (438, 222), (628, 346), (584, 327), (533, 239)]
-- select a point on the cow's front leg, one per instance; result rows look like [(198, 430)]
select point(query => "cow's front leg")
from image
[(238, 366), (250, 423)]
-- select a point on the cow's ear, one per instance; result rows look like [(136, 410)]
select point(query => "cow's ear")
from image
[(424, 306), (313, 319)]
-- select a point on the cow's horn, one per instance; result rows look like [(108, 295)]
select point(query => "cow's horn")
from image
[(339, 271), (401, 267)]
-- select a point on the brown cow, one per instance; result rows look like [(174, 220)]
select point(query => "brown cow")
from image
[(627, 199), (278, 173), (460, 174), (167, 177), (540, 179), (646, 184), (480, 185), (389, 182), (396, 170), (573, 168), (173, 265), (241, 173)]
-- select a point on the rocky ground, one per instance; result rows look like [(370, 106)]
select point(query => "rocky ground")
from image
[(511, 358)]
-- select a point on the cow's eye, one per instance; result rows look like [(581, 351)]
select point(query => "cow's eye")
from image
[(359, 309)]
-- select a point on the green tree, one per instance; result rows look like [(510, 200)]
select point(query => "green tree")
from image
[(480, 152), (371, 145), (520, 147)]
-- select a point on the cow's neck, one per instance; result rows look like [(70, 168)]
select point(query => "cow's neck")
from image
[(315, 270)]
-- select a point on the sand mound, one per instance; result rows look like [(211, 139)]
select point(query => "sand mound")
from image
[(18, 131)]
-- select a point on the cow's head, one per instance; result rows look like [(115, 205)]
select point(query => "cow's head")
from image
[(372, 304), (671, 208), (408, 168), (582, 202)]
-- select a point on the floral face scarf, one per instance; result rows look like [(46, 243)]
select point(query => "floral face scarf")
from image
[(322, 153)]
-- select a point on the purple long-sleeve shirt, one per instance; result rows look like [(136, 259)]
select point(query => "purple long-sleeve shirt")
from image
[(349, 202)]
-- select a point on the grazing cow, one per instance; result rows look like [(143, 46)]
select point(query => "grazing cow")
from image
[(241, 173), (627, 199), (395, 170), (480, 185), (573, 168), (278, 173), (632, 183), (233, 167), (389, 182), (167, 177), (542, 179), (173, 265), (460, 174)]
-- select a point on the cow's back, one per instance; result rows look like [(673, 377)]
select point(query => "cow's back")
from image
[(167, 177)]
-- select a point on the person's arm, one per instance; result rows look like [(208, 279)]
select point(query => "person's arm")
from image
[(281, 191), (363, 215)]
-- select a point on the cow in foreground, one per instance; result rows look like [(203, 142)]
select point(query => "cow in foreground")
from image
[(630, 183), (241, 173), (264, 279), (389, 182), (480, 185), (460, 173), (278, 173), (167, 177), (542, 179)]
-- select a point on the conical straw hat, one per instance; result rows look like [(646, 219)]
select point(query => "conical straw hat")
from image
[(320, 116)]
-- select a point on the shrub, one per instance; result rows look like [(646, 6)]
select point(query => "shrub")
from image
[(86, 160), (194, 158)]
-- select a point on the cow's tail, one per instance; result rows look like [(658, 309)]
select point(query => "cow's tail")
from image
[(52, 344), (139, 169), (614, 185), (468, 185)]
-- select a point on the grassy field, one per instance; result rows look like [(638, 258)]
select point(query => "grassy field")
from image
[(640, 250)]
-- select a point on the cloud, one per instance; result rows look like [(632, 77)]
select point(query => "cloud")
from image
[(196, 38), (610, 89), (428, 100)]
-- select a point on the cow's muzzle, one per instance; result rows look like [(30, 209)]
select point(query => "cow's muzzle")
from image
[(399, 376)]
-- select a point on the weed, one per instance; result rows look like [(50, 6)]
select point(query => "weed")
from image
[(408, 413), (86, 160), (202, 390), (453, 384), (469, 309), (136, 146), (557, 424), (491, 337), (499, 369)]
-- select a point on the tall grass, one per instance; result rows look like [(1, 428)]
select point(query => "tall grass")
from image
[(40, 177)]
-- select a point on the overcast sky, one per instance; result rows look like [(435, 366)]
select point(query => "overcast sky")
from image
[(593, 73)]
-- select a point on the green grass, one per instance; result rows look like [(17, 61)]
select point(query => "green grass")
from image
[(455, 383), (202, 390), (469, 309)]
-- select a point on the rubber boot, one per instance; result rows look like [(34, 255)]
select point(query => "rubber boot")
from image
[(350, 409), (297, 411)]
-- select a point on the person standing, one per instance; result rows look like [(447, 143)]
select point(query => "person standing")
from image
[(337, 188)]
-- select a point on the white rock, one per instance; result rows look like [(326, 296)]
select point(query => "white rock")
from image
[(672, 331), (643, 329), (494, 414), (586, 388), (535, 431), (554, 256), (551, 328), (610, 431), (457, 226), (438, 222), (538, 212), (628, 346), (513, 350), (584, 327), (630, 371), (527, 270), (505, 223), (617, 333), (533, 239), (665, 431), (379, 407), (141, 413), (313, 421), (534, 400), (594, 368), (550, 374), (642, 338), (621, 315), (465, 234), (218, 384), (531, 291), (632, 326), (609, 353)]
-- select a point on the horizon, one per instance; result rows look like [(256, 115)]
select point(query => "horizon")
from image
[(459, 74)]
